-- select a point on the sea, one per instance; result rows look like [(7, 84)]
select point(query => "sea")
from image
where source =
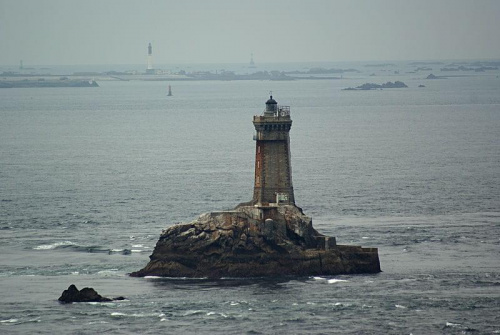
[(89, 178)]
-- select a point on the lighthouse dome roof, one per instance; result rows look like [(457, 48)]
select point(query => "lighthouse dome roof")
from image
[(271, 101)]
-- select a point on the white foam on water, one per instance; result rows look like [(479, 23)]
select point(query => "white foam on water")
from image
[(215, 313), (107, 303), (53, 245), (137, 246), (107, 273), (318, 278), (136, 250), (118, 314), (450, 324), (151, 277), (9, 321), (335, 281), (400, 306)]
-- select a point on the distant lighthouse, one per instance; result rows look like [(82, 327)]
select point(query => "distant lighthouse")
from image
[(150, 69), (252, 63)]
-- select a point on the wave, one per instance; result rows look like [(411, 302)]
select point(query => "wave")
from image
[(9, 321), (334, 281), (135, 315), (450, 324), (68, 245), (54, 245), (193, 312), (329, 281), (217, 313), (118, 314)]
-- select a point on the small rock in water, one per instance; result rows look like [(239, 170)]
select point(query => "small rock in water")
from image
[(87, 294)]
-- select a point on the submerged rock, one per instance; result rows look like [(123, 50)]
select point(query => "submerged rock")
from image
[(87, 294), (254, 241)]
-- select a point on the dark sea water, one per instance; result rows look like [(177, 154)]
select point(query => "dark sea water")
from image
[(89, 177)]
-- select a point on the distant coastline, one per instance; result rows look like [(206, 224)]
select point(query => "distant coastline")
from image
[(89, 79), (89, 76), (29, 82)]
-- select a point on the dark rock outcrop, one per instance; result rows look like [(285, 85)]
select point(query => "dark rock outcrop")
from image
[(87, 294), (254, 242)]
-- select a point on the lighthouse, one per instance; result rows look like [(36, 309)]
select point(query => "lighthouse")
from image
[(273, 170), (149, 69)]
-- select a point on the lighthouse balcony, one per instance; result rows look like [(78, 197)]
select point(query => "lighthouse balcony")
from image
[(283, 111)]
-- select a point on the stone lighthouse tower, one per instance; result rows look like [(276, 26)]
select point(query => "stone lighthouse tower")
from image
[(273, 170)]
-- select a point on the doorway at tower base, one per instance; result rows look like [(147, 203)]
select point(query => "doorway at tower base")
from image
[(252, 241)]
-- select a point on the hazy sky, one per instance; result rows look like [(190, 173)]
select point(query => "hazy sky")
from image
[(50, 32)]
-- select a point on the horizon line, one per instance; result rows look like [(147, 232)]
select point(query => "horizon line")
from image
[(271, 62)]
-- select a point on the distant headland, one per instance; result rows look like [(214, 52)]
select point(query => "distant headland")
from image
[(89, 79), (20, 81)]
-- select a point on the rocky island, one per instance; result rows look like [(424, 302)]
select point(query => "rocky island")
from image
[(432, 76), (268, 236), (371, 86), (86, 294)]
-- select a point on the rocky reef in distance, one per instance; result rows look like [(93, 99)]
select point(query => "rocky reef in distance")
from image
[(254, 241), (371, 86)]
